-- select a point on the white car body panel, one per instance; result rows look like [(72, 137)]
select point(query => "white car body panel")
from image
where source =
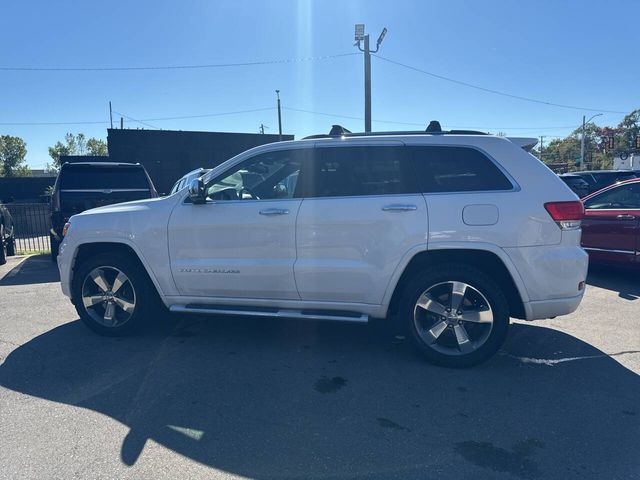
[(348, 248), (344, 253), (230, 249)]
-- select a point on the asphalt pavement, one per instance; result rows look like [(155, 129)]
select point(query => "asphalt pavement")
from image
[(261, 398)]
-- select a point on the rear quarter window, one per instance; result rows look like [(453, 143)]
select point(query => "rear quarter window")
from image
[(103, 178), (456, 169)]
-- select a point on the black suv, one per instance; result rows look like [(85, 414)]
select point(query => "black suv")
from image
[(576, 183), (84, 185), (7, 235), (598, 179)]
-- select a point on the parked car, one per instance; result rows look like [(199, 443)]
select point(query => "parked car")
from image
[(85, 185), (576, 183), (611, 227), (7, 234), (448, 233), (187, 179), (598, 179)]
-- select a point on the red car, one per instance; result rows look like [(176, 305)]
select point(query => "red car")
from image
[(611, 225)]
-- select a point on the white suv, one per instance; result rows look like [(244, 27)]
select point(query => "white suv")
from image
[(448, 233)]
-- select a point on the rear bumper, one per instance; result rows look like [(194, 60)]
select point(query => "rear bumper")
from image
[(541, 309), (552, 276)]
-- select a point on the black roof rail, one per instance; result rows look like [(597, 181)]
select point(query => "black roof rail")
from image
[(434, 128)]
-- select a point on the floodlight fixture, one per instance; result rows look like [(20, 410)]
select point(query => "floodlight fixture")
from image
[(381, 37)]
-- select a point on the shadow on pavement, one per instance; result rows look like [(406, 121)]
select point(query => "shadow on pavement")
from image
[(285, 399), (624, 281), (35, 269)]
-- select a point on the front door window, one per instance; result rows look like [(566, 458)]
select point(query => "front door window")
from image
[(268, 176)]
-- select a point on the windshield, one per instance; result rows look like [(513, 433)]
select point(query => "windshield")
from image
[(101, 178)]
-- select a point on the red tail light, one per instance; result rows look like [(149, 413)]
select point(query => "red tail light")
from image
[(567, 215)]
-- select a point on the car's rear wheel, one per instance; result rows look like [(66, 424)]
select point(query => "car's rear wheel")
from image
[(456, 315), (113, 294)]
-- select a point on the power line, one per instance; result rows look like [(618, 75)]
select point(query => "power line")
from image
[(496, 92), (157, 119), (204, 115), (16, 124), (300, 110), (175, 67), (423, 124), (141, 122)]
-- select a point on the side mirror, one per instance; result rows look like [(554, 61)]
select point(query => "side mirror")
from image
[(197, 192)]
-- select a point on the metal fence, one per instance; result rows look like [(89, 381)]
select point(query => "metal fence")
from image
[(31, 224)]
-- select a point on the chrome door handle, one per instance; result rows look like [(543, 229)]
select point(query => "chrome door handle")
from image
[(399, 207), (625, 217), (269, 212)]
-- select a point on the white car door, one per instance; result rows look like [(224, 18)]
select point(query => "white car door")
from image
[(362, 213), (241, 242)]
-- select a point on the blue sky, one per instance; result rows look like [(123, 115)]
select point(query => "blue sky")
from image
[(581, 53)]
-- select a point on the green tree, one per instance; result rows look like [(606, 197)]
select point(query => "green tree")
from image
[(76, 145), (598, 154), (12, 153), (95, 146)]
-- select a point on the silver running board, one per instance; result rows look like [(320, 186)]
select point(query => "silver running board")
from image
[(274, 313)]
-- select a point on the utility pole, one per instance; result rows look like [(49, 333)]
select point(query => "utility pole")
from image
[(121, 123), (582, 144), (582, 138), (110, 115), (360, 36), (279, 117)]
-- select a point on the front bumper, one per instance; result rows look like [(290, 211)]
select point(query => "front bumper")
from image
[(65, 266)]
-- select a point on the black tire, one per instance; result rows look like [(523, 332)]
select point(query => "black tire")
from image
[(146, 297), (3, 247), (491, 336), (55, 248), (11, 247)]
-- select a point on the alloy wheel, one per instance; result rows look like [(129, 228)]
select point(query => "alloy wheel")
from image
[(108, 296), (453, 318)]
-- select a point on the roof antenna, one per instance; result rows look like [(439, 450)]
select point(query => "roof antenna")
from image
[(434, 127)]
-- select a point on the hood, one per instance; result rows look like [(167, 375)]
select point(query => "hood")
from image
[(133, 206)]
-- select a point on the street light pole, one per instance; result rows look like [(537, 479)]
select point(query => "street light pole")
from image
[(367, 85), (279, 117), (582, 138), (360, 36)]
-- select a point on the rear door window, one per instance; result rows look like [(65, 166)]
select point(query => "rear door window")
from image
[(103, 178), (455, 169), (358, 171)]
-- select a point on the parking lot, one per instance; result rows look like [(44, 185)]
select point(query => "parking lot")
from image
[(256, 398)]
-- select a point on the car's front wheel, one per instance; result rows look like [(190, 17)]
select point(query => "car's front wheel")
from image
[(113, 294), (11, 246), (3, 246), (55, 247), (456, 315)]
